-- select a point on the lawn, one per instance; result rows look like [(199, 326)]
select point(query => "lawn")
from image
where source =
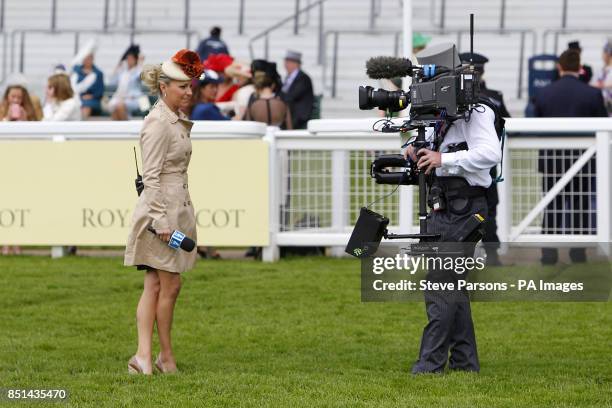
[(289, 334)]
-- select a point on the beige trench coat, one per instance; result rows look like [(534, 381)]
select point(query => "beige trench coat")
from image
[(165, 202)]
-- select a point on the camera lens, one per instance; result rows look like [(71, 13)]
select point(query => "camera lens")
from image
[(393, 101)]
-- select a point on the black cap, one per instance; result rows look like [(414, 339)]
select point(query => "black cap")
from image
[(478, 59), (133, 49), (574, 45)]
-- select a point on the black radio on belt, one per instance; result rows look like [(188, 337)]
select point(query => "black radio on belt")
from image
[(138, 181), (435, 199)]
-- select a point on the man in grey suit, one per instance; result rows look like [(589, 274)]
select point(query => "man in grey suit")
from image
[(297, 90)]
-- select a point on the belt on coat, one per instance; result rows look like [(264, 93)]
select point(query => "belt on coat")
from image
[(173, 178)]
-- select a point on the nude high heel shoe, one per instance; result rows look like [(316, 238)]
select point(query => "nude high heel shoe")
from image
[(160, 367), (134, 366)]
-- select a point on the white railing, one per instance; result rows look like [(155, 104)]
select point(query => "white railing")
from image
[(318, 179), (340, 139)]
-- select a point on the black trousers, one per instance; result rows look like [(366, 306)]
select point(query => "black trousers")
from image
[(450, 328)]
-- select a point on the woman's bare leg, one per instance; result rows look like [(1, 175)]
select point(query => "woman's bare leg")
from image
[(170, 286), (145, 319), (120, 112)]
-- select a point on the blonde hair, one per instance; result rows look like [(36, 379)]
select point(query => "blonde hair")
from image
[(261, 80), (62, 89), (151, 77)]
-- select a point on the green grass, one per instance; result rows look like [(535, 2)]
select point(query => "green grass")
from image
[(290, 334)]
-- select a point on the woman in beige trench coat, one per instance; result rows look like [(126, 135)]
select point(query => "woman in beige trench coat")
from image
[(164, 205)]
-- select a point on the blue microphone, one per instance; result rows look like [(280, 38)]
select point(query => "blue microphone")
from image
[(178, 240)]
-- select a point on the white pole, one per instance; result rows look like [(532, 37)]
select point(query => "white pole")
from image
[(406, 212), (407, 26)]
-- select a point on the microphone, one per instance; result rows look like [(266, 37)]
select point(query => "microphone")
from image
[(388, 67), (178, 240)]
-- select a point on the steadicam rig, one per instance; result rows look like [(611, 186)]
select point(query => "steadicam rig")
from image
[(442, 90)]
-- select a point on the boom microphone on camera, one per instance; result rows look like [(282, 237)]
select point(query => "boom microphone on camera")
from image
[(388, 67), (178, 240)]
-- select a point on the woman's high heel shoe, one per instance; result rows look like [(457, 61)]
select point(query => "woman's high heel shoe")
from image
[(134, 366), (160, 367)]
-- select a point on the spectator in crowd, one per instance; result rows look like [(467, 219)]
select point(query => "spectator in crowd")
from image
[(61, 103), (586, 72), (242, 77), (297, 90), (204, 107), (573, 210), (419, 42), (127, 98), (218, 63), (604, 79), (267, 106), (17, 105), (88, 81), (212, 45)]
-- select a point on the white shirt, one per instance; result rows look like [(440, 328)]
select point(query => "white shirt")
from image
[(70, 109), (484, 148)]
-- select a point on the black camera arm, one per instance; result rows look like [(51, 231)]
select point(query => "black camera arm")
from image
[(419, 143)]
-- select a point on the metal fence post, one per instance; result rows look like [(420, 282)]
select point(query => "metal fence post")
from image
[(241, 18), (296, 21), (77, 40), (335, 65), (187, 6), (502, 15), (521, 65), (22, 52), (563, 15), (321, 39), (133, 17), (106, 11), (53, 14), (2, 4), (372, 7), (442, 13)]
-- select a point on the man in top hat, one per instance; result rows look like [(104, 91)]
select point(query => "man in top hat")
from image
[(586, 72), (297, 90)]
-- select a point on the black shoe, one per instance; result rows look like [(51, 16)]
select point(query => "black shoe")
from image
[(550, 256), (252, 251), (493, 259), (577, 255)]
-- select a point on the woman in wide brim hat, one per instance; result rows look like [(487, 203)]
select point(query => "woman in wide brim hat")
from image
[(164, 206)]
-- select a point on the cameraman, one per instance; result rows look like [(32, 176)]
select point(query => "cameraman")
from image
[(459, 161)]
